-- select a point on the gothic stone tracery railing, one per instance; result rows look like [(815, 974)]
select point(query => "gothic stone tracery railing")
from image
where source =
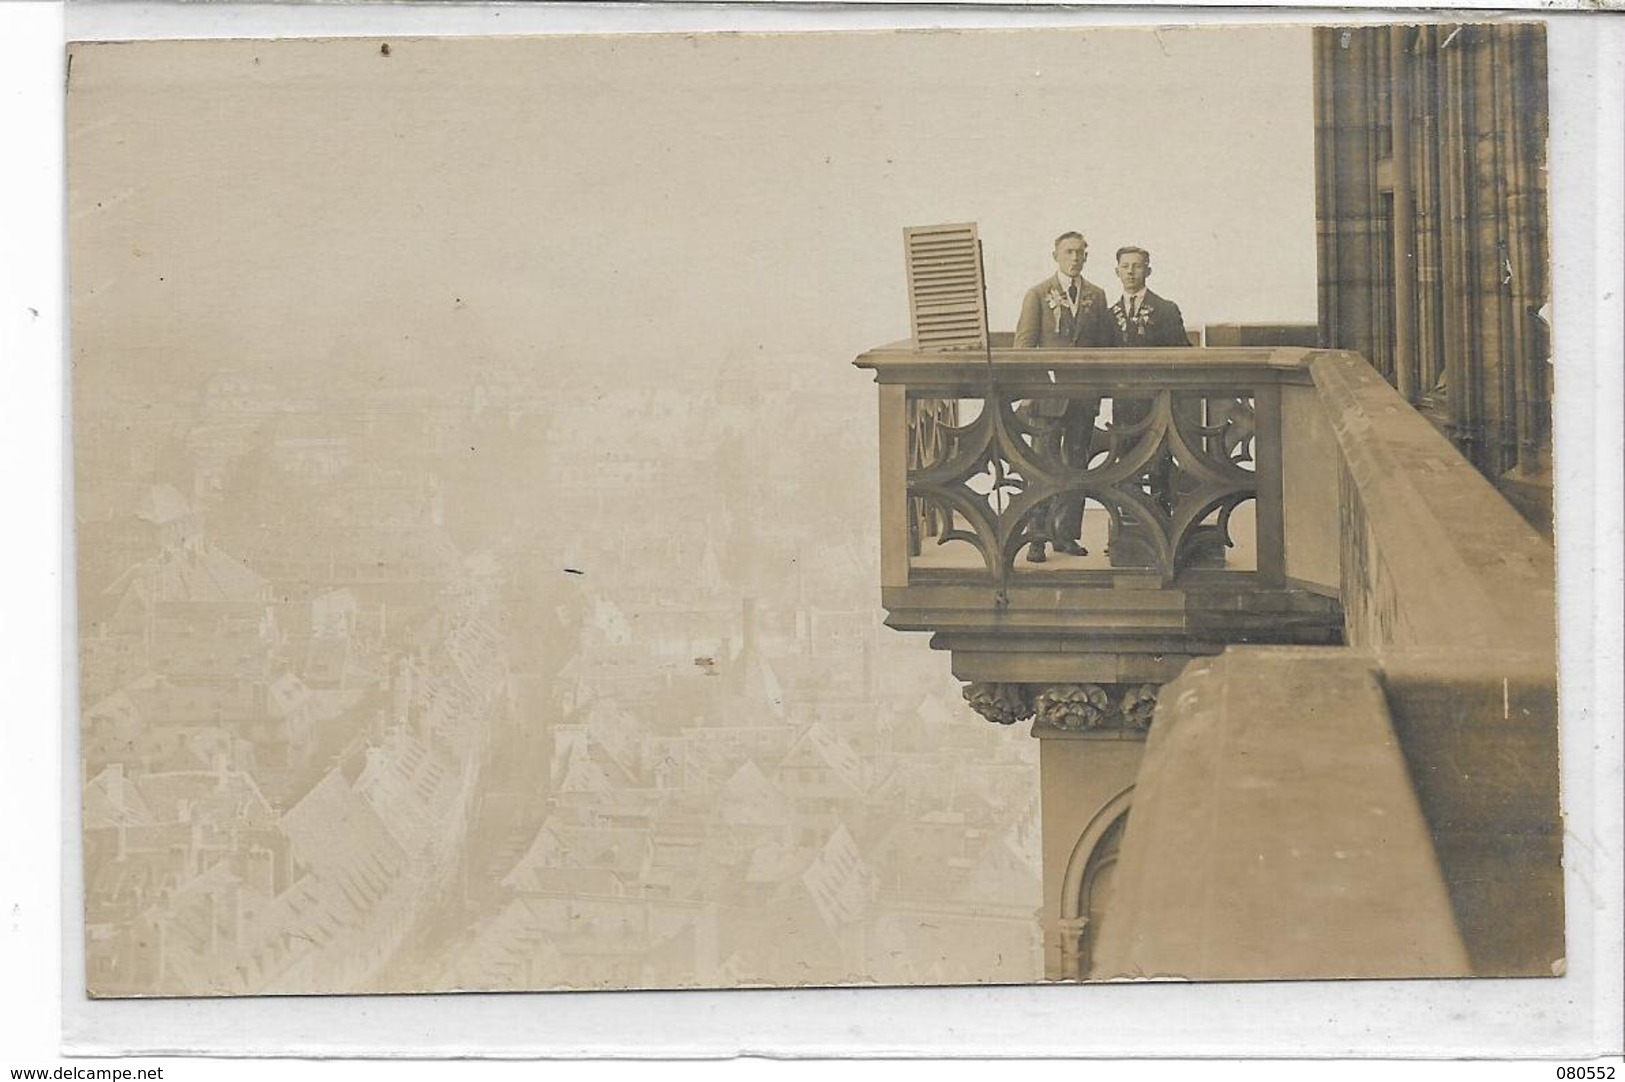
[(1173, 459), (993, 453), (1170, 476)]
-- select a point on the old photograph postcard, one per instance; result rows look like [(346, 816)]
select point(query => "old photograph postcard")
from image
[(780, 510)]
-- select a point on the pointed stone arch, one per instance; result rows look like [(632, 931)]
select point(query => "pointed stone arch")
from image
[(1092, 857)]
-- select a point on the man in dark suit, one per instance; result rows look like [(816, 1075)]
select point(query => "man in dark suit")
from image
[(1064, 311), (1140, 317)]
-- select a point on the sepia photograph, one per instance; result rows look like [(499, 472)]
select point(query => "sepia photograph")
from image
[(745, 510)]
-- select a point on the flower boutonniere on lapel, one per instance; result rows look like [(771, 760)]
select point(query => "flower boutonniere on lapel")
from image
[(1141, 319), (1056, 302)]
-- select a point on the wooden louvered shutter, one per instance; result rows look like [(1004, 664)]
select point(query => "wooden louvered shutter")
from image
[(946, 298)]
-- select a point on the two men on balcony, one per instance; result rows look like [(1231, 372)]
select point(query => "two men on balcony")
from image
[(1064, 311)]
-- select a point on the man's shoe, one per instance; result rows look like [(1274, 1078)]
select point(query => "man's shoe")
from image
[(1035, 555), (1071, 548)]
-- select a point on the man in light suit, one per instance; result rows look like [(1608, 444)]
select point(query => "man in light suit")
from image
[(1064, 311)]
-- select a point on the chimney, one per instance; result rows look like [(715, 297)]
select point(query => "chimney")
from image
[(739, 671)]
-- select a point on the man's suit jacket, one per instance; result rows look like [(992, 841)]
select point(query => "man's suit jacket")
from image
[(1043, 327), (1157, 323)]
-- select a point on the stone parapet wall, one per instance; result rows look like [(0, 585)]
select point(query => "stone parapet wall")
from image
[(1432, 556), (1276, 834), (1438, 720)]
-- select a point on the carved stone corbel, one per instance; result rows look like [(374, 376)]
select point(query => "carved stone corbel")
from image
[(1002, 704), (1138, 705), (1073, 707)]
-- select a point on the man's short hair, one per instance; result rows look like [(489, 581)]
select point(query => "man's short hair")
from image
[(1131, 249), (1070, 234)]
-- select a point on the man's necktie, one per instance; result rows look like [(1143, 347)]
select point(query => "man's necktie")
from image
[(1072, 293)]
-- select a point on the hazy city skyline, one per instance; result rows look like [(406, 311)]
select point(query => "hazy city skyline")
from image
[(664, 201), (468, 454)]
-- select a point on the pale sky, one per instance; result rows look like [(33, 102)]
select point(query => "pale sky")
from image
[(659, 201)]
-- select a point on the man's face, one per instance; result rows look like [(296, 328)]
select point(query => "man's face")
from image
[(1069, 256), (1132, 270)]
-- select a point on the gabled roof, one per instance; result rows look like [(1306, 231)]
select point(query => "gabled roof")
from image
[(505, 949), (198, 574), (818, 746), (138, 879), (620, 849), (119, 709), (749, 797), (411, 785), (112, 799), (839, 881), (617, 731), (622, 852), (226, 798), (236, 656), (579, 772), (158, 504), (152, 702), (756, 682), (334, 830), (478, 653), (1008, 869), (189, 911), (710, 577)]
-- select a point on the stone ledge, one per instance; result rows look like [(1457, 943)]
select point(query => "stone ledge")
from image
[(1276, 834), (1467, 568), (1480, 734)]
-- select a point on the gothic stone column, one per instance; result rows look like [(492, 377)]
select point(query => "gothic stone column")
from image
[(1091, 738)]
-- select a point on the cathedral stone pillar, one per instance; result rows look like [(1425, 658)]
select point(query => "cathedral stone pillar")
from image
[(1091, 739)]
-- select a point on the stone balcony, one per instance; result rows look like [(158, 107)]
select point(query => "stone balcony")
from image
[(1176, 459), (1345, 639)]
